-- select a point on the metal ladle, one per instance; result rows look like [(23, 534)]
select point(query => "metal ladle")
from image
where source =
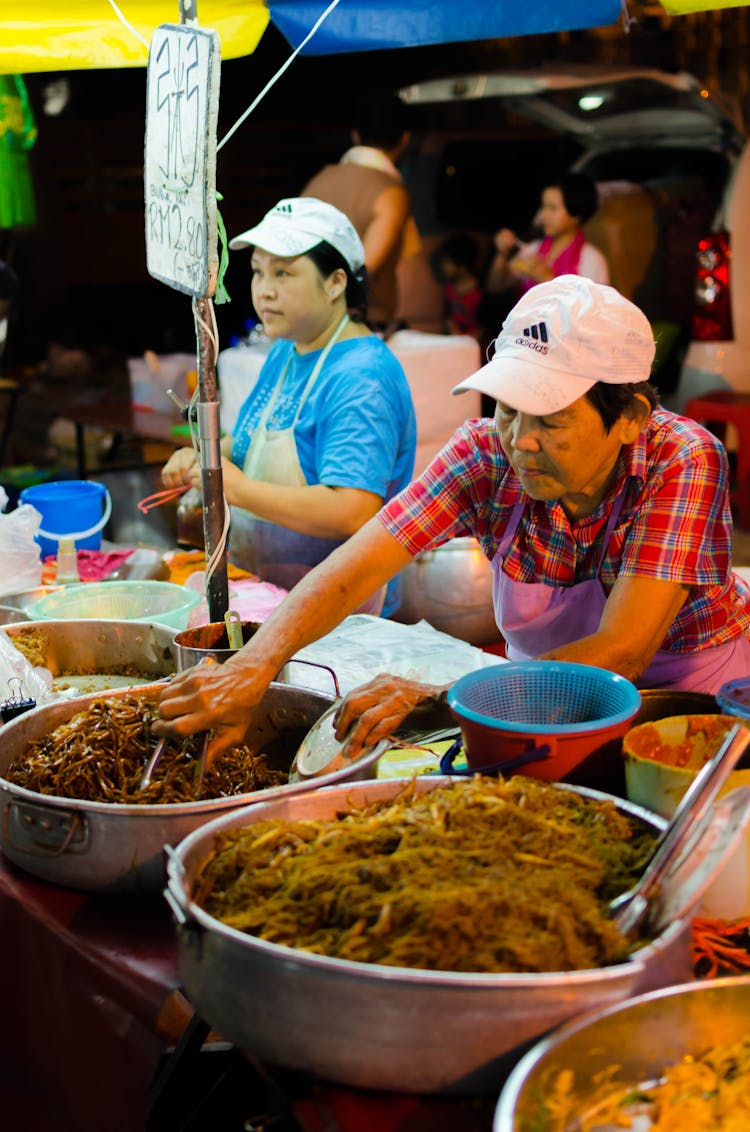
[(630, 908)]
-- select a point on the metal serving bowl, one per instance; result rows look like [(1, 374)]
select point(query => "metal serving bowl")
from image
[(99, 655), (639, 1037), (451, 587), (382, 1027), (13, 607)]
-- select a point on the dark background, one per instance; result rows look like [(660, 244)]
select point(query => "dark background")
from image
[(82, 265)]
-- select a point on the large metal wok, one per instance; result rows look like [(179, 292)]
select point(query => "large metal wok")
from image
[(385, 1027), (99, 845)]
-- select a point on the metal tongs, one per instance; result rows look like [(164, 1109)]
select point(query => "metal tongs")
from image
[(158, 751), (690, 818)]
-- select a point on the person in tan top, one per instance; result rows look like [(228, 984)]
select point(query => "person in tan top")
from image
[(367, 186)]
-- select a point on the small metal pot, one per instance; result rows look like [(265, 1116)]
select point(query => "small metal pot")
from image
[(212, 640), (659, 703)]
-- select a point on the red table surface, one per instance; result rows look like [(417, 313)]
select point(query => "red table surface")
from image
[(84, 981), (91, 1004)]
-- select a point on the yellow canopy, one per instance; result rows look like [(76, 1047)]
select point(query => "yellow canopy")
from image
[(66, 35), (686, 7)]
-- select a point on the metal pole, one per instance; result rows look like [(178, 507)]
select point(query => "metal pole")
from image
[(212, 480), (209, 433)]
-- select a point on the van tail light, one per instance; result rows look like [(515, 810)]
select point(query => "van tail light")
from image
[(712, 312)]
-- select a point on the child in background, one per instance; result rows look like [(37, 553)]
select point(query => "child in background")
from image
[(457, 264)]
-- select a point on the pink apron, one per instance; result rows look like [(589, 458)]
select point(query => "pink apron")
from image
[(535, 618)]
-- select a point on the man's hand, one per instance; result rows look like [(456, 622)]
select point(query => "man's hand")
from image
[(210, 697), (374, 711)]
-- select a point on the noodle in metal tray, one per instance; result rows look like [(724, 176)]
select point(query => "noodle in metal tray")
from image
[(99, 755)]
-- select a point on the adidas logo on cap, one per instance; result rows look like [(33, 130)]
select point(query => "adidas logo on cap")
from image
[(534, 337), (538, 331)]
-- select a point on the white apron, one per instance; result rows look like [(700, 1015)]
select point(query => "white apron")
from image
[(277, 554)]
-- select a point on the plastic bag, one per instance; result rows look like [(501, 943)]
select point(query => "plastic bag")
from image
[(18, 679), (253, 601), (20, 564), (363, 646)]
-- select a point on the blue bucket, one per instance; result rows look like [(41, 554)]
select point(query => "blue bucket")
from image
[(69, 509)]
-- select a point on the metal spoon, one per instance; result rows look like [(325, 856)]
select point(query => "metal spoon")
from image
[(159, 749), (150, 766), (629, 908)]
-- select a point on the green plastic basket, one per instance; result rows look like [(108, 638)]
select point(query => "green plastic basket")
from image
[(162, 602)]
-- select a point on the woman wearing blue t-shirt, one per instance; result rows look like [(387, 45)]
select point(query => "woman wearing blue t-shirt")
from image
[(328, 432)]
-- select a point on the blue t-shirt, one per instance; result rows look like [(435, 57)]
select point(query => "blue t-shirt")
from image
[(357, 427)]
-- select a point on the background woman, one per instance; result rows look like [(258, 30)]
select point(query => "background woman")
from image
[(328, 432), (563, 250)]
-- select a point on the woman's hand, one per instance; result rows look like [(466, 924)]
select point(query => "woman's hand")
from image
[(505, 241), (234, 482), (374, 711), (182, 467)]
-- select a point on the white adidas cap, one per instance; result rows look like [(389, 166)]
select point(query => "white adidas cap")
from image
[(298, 224), (559, 340)]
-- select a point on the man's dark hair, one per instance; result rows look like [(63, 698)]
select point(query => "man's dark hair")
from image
[(462, 249), (382, 122), (613, 401)]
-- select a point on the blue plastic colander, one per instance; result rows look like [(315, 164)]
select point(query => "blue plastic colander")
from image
[(734, 697), (549, 696), (565, 711)]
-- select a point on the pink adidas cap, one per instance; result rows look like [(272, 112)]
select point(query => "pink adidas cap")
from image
[(559, 340)]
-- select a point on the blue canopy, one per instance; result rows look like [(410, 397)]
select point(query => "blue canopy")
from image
[(372, 25)]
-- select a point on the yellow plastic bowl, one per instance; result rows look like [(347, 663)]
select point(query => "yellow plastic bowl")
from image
[(662, 757)]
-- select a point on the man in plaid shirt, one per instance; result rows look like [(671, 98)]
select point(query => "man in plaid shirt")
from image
[(605, 518)]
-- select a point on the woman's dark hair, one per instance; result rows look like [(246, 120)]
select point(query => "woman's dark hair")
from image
[(327, 260), (614, 401), (579, 195)]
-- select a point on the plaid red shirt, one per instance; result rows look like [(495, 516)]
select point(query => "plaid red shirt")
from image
[(675, 525)]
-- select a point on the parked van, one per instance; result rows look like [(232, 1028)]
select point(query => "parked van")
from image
[(718, 356), (660, 149)]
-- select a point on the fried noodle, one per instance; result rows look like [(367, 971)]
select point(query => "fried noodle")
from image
[(100, 754), (705, 1093), (483, 875)]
